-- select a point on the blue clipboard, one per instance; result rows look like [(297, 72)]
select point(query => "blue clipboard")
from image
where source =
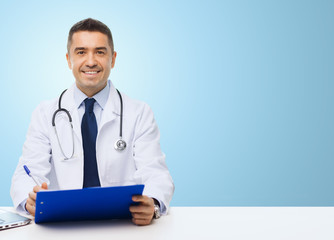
[(96, 203)]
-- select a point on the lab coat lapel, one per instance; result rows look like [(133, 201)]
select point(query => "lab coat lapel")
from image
[(112, 107), (69, 104)]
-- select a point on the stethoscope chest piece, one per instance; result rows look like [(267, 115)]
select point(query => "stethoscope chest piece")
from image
[(120, 145)]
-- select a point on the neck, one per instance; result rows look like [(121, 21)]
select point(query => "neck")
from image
[(91, 91)]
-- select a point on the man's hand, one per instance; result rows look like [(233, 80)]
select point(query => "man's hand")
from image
[(142, 214), (31, 201)]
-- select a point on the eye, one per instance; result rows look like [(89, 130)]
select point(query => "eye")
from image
[(80, 52), (100, 52)]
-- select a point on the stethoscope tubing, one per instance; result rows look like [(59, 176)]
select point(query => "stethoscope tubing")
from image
[(120, 144), (121, 116)]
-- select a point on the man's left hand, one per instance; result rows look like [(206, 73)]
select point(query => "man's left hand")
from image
[(142, 214)]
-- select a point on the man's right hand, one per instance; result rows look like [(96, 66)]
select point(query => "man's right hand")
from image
[(31, 201)]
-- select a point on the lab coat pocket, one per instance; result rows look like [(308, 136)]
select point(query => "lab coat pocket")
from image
[(69, 173)]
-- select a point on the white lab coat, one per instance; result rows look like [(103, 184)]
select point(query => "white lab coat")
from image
[(142, 162)]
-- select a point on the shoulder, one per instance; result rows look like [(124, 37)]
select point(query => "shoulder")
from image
[(135, 106), (45, 109), (41, 117), (47, 105)]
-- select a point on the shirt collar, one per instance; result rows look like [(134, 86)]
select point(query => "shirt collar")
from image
[(101, 97)]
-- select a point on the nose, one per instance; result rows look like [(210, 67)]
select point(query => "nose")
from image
[(91, 61)]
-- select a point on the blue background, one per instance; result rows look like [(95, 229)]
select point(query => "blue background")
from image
[(242, 90)]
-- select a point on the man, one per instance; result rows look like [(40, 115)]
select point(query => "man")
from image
[(85, 156)]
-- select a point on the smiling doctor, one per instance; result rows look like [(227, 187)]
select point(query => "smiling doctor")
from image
[(114, 139)]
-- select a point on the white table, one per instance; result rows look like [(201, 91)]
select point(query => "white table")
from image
[(269, 223)]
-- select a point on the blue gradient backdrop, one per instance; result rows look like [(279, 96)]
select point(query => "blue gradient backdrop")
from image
[(242, 90)]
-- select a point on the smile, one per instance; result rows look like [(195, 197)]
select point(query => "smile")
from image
[(91, 72)]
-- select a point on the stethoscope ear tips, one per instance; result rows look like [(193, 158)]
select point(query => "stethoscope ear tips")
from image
[(120, 145)]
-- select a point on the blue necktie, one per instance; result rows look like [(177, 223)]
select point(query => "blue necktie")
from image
[(89, 133)]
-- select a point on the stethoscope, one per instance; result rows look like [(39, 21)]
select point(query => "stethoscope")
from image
[(119, 145)]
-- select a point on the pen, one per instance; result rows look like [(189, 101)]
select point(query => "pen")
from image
[(29, 174)]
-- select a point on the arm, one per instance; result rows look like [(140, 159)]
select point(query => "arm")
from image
[(36, 154), (151, 166)]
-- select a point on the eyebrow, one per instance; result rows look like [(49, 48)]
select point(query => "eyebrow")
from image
[(79, 48), (101, 48), (83, 48)]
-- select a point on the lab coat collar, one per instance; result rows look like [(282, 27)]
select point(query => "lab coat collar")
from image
[(112, 107)]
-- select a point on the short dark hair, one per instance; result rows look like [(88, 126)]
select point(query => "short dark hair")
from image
[(91, 25)]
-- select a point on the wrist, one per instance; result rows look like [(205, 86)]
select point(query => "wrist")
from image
[(156, 213)]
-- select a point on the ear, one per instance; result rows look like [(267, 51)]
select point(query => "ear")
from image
[(68, 61), (113, 59)]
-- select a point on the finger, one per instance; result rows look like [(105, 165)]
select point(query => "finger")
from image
[(140, 209), (32, 195), (44, 185), (30, 203), (143, 199), (141, 222), (30, 208), (143, 211), (135, 209), (37, 188), (141, 215), (138, 198)]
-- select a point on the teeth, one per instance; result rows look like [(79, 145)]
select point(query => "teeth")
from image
[(91, 72)]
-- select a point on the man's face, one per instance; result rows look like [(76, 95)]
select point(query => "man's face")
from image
[(91, 60)]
